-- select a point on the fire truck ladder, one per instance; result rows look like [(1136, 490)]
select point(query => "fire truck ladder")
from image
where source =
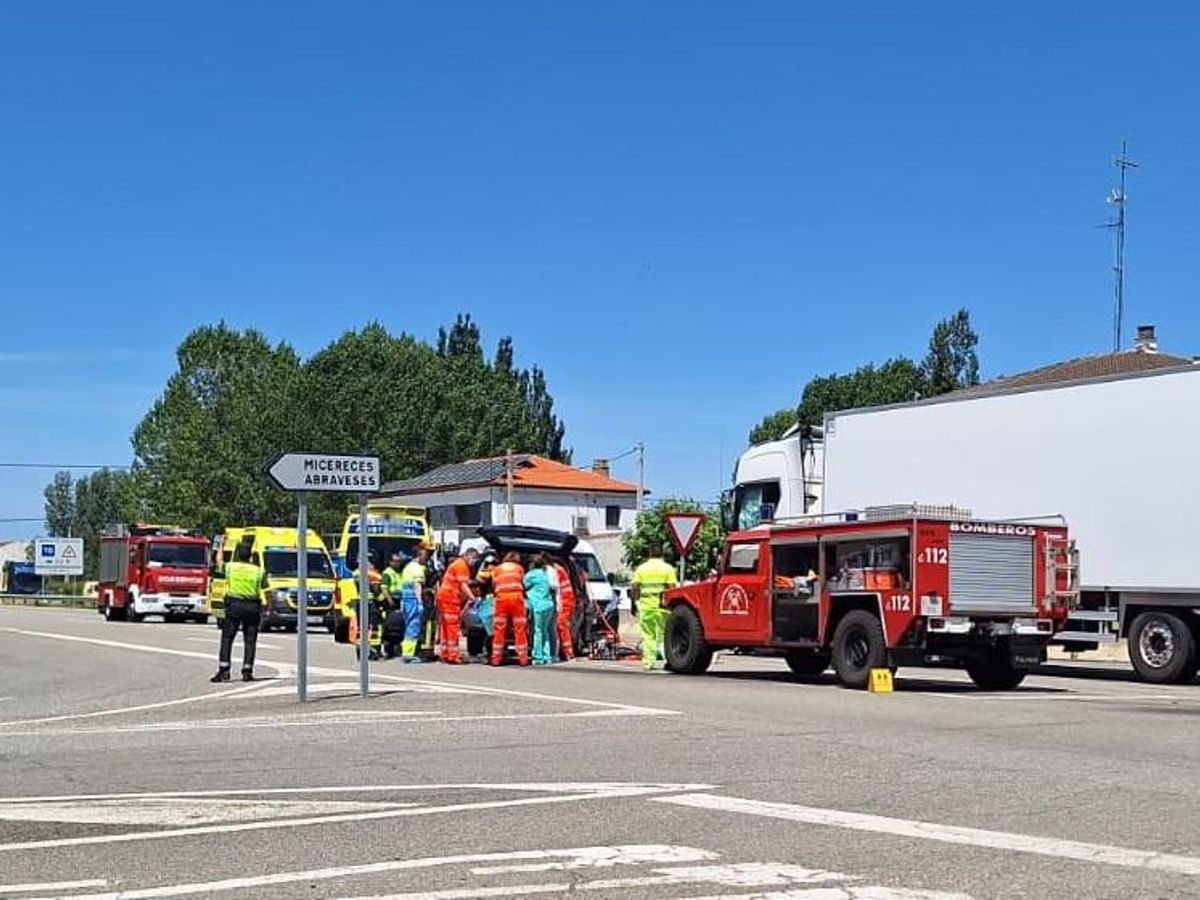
[(1084, 626)]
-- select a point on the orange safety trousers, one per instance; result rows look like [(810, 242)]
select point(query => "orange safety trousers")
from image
[(566, 612), (509, 608), (450, 616)]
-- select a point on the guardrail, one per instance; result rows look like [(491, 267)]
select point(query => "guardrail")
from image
[(75, 601)]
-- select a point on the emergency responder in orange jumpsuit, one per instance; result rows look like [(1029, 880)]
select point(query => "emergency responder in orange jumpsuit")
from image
[(566, 611), (454, 591), (509, 581)]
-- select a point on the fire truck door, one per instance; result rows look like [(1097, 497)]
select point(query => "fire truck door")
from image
[(742, 599)]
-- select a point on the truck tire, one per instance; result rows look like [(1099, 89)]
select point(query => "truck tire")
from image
[(807, 663), (1162, 648), (112, 614), (995, 672), (858, 647), (687, 651)]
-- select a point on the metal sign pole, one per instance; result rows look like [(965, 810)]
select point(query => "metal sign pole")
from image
[(364, 593), (302, 601)]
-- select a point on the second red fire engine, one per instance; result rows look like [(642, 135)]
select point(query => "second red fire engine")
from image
[(887, 587)]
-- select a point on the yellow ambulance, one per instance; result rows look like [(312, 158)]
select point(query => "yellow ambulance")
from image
[(275, 549), (390, 529)]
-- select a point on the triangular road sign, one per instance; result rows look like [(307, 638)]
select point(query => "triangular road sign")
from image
[(684, 529)]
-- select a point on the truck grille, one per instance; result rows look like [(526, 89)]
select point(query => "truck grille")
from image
[(990, 572)]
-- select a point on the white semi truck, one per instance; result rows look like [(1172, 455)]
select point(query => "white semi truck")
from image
[(1119, 457)]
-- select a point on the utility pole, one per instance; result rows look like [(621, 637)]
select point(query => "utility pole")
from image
[(508, 486), (641, 466), (1117, 200)]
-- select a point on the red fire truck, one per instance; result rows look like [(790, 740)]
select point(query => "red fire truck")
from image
[(152, 570), (888, 587)]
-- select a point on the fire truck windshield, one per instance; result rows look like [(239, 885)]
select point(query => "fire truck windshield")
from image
[(178, 556)]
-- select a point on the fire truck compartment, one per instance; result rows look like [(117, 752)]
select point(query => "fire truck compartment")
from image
[(991, 573)]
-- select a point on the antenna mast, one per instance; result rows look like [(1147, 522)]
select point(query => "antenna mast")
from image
[(1117, 198)]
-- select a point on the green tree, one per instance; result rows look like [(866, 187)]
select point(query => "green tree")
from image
[(651, 528), (103, 498), (234, 403), (951, 362), (60, 505), (898, 380), (772, 427)]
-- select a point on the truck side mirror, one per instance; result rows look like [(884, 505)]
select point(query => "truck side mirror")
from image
[(612, 578)]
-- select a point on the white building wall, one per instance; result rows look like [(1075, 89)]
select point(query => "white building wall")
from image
[(558, 509)]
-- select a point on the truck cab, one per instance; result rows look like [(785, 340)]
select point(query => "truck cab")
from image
[(889, 587), (152, 570), (277, 551)]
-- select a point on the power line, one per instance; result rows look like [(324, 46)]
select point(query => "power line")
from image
[(24, 465)]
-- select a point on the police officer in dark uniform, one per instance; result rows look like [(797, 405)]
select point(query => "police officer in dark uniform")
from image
[(243, 609)]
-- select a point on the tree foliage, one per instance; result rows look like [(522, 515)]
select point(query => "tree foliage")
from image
[(236, 401), (772, 427), (896, 381), (651, 529), (83, 507), (950, 364)]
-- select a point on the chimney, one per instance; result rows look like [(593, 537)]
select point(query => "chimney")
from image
[(600, 467), (1146, 341)]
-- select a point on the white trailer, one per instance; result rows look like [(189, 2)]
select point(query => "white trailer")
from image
[(1118, 457)]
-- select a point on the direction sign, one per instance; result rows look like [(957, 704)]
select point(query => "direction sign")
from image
[(684, 529), (58, 556), (323, 472)]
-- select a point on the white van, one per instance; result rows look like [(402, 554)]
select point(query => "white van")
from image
[(599, 588)]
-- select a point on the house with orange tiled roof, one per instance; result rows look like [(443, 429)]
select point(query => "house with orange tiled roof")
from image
[(460, 497)]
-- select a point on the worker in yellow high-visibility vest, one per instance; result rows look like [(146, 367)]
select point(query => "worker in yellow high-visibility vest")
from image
[(243, 608), (650, 580)]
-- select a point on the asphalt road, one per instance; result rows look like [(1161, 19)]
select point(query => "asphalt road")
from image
[(124, 773)]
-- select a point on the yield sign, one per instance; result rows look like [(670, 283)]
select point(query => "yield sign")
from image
[(684, 528)]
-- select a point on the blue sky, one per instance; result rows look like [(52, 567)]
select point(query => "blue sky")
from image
[(680, 210)]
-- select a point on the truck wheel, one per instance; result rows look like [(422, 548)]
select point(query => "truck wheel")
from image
[(1162, 648), (112, 614), (995, 672), (858, 647), (131, 616), (687, 651), (807, 663)]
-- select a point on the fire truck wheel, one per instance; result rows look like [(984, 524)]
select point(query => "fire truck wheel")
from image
[(131, 616), (858, 647), (687, 651), (807, 663), (1162, 648), (995, 672)]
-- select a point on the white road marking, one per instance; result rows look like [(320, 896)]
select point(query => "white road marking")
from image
[(375, 868), (52, 886), (612, 791), (176, 812), (603, 858), (100, 713), (673, 866), (521, 786), (949, 834), (316, 671), (477, 893)]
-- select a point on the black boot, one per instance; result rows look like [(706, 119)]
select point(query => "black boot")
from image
[(248, 675), (222, 675)]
